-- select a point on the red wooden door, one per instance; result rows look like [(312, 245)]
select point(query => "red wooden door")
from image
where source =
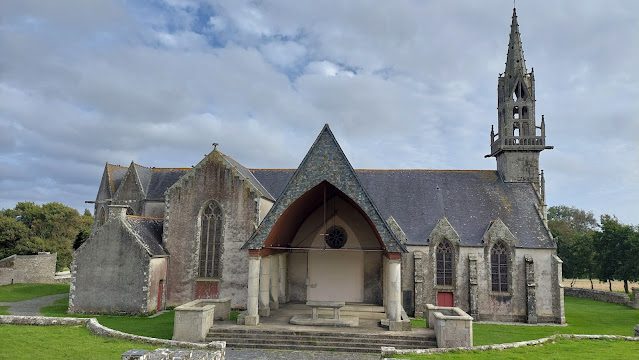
[(445, 299), (160, 293)]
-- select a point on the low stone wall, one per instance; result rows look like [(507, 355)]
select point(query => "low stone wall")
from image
[(391, 351), (96, 328), (28, 269), (166, 354), (598, 295)]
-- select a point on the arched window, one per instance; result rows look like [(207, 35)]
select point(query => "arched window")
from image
[(101, 216), (499, 267), (210, 240), (444, 263)]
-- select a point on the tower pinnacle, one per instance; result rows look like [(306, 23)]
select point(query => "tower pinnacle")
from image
[(515, 62), (518, 140)]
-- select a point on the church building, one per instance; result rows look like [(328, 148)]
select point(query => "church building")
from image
[(326, 231)]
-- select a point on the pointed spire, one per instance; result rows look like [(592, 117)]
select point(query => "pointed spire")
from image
[(515, 63)]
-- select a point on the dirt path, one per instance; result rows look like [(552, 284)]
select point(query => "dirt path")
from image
[(33, 306)]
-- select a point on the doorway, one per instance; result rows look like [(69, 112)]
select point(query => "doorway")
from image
[(445, 299)]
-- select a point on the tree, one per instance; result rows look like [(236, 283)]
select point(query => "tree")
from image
[(617, 243), (51, 227), (574, 230), (12, 232)]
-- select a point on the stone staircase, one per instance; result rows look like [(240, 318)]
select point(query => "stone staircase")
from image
[(246, 337)]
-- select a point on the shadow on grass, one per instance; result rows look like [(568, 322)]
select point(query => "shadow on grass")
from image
[(160, 326)]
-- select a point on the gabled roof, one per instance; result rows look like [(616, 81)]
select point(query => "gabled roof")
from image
[(115, 174), (248, 176), (149, 231), (470, 199), (325, 162)]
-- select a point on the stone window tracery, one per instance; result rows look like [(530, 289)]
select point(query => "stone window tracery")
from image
[(444, 263), (210, 241), (499, 267)]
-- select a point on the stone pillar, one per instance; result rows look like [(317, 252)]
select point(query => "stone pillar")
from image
[(385, 284), (635, 302), (531, 298), (283, 278), (265, 286), (420, 305), (275, 282), (395, 289), (253, 317), (472, 286), (558, 290)]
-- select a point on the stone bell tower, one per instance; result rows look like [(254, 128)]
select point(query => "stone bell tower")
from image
[(518, 140)]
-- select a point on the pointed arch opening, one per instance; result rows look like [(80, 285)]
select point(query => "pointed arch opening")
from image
[(324, 199), (211, 239), (499, 267), (444, 263)]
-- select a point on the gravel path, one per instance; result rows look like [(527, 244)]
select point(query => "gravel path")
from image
[(261, 354), (33, 306)]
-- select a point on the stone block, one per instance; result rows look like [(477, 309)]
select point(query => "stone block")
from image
[(250, 320), (399, 326), (635, 301), (222, 307), (193, 320), (453, 327)]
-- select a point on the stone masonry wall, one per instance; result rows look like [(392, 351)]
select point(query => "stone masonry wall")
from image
[(28, 269), (598, 295), (110, 273), (212, 179)]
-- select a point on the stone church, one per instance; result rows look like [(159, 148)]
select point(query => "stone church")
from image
[(397, 238)]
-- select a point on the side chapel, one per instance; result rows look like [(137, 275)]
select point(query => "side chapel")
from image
[(399, 238)]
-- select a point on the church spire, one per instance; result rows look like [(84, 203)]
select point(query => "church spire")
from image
[(518, 140), (515, 63)]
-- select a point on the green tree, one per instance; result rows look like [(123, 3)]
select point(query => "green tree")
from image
[(12, 232), (617, 243), (52, 227), (574, 230)]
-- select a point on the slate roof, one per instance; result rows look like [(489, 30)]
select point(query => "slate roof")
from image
[(470, 199), (116, 174), (155, 181), (248, 175), (150, 232)]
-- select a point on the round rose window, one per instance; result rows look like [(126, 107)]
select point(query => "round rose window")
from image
[(335, 237)]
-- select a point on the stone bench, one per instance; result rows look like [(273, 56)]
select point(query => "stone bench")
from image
[(335, 305), (315, 320)]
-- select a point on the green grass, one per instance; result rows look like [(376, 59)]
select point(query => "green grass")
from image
[(562, 349), (583, 317), (4, 310), (419, 323), (60, 342), (160, 326), (20, 292), (233, 315)]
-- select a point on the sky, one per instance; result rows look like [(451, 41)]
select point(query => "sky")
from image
[(403, 84)]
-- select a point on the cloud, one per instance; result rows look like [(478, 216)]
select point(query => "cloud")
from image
[(402, 83)]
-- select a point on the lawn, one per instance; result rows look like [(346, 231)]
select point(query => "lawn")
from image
[(583, 317), (562, 349), (4, 310), (160, 326), (60, 342), (20, 292)]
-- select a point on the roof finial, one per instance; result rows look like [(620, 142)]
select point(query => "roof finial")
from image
[(215, 146)]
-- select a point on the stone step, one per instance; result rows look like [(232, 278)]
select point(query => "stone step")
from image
[(247, 337), (347, 307), (317, 333), (344, 347), (308, 339)]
